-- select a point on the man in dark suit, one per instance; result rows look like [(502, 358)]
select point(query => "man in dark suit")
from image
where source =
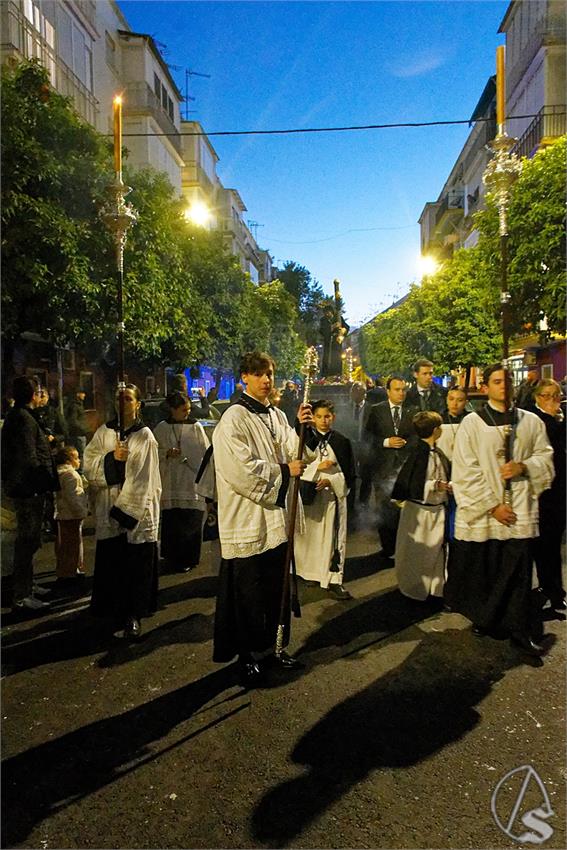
[(426, 395), (389, 428)]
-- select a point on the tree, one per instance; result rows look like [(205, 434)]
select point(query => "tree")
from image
[(308, 296), (269, 322), (536, 223), (56, 255)]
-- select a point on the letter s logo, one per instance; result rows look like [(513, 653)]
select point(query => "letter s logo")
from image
[(541, 830)]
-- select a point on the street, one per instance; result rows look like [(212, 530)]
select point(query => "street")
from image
[(395, 735)]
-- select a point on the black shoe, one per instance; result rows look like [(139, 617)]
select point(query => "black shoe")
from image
[(133, 628), (478, 631), (339, 592), (559, 605), (249, 671), (526, 644), (288, 662), (186, 569)]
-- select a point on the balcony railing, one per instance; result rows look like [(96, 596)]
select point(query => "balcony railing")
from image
[(549, 123), (139, 97), (453, 201), (22, 40)]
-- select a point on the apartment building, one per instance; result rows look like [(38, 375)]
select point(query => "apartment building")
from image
[(535, 86), (92, 54), (212, 205)]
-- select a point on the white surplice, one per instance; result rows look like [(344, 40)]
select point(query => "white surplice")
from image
[(477, 485), (178, 473), (248, 480), (138, 497), (420, 553), (314, 547)]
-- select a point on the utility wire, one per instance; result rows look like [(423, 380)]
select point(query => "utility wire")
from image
[(336, 235), (295, 130)]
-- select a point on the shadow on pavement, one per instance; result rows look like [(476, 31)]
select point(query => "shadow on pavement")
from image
[(403, 717), (56, 774), (364, 621)]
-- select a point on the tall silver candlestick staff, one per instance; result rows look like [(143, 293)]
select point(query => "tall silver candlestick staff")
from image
[(500, 175), (119, 217)]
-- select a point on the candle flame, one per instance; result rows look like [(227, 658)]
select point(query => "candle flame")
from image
[(117, 100)]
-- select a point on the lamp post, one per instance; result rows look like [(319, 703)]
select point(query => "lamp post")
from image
[(119, 217), (500, 175)]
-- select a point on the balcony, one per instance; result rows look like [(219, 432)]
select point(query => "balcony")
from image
[(548, 124), (486, 134), (22, 41), (550, 30), (451, 208), (140, 98)]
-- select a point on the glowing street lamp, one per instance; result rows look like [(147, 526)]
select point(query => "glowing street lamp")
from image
[(427, 265), (198, 213)]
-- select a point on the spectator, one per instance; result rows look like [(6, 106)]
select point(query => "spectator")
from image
[(290, 401), (28, 473), (525, 391), (71, 507), (236, 394), (77, 422)]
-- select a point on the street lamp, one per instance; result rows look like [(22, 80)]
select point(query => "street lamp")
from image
[(198, 213), (427, 265)]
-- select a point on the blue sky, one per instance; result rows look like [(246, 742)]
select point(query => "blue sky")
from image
[(344, 205)]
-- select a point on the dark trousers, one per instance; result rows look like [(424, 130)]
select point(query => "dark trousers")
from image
[(248, 604), (547, 551), (29, 517)]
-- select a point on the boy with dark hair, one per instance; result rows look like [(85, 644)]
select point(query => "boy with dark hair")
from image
[(320, 550), (423, 485)]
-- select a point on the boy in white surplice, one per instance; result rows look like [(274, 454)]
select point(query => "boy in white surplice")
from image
[(320, 550)]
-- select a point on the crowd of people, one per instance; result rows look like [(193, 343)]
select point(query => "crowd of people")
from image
[(464, 502)]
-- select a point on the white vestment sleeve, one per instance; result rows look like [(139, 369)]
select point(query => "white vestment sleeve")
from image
[(540, 467), (93, 459), (142, 478), (252, 477), (473, 493)]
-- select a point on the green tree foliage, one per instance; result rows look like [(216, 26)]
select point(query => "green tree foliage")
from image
[(536, 224), (453, 317), (308, 296), (56, 256), (186, 298)]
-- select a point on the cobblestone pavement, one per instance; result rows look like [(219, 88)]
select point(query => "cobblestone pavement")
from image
[(395, 735)]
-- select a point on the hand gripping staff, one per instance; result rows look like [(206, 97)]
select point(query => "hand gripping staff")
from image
[(309, 369)]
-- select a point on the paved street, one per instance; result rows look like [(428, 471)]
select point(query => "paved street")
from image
[(395, 735)]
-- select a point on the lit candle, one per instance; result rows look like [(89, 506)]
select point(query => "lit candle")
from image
[(500, 88), (117, 103)]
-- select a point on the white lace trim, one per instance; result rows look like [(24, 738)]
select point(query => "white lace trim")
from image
[(254, 547)]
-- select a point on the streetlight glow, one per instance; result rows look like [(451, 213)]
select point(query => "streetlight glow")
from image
[(198, 213), (427, 265)]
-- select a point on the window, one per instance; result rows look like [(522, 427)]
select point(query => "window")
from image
[(170, 107), (157, 87), (547, 370), (75, 48)]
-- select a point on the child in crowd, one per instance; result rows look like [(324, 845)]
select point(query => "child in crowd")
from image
[(325, 484), (71, 507), (423, 485)]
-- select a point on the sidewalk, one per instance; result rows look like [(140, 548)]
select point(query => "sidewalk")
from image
[(395, 735)]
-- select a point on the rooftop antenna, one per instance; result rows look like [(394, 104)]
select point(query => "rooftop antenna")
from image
[(254, 225), (190, 73)]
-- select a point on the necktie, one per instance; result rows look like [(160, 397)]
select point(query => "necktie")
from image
[(424, 398), (357, 412), (396, 418)]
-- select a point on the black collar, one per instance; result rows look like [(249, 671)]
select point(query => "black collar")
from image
[(253, 405), (491, 416), (136, 425)]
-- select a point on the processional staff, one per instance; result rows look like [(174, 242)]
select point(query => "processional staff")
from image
[(309, 370), (119, 217), (500, 175)]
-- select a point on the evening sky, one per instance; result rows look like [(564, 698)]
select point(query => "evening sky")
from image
[(345, 205)]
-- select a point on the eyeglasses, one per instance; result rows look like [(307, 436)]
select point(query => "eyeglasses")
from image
[(554, 396)]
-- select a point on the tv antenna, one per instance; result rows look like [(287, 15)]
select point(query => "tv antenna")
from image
[(254, 225)]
